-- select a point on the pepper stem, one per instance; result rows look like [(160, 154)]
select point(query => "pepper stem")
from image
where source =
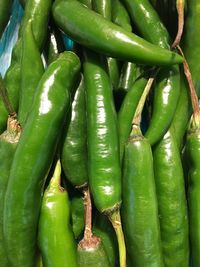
[(180, 11), (115, 219), (88, 214), (137, 116), (193, 94), (55, 180), (5, 98)]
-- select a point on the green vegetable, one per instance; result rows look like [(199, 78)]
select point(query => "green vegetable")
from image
[(105, 37), (30, 76), (33, 159), (139, 203), (74, 150), (8, 144), (55, 236), (172, 206)]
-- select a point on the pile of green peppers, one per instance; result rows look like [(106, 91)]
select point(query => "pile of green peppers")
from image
[(85, 179)]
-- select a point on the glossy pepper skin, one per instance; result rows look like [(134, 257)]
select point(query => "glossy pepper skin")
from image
[(168, 89), (55, 236), (33, 158), (92, 255), (166, 96), (103, 229), (139, 204), (38, 12), (172, 206), (105, 37), (8, 144), (5, 10), (192, 150), (30, 76), (104, 8), (74, 151), (103, 155), (127, 111)]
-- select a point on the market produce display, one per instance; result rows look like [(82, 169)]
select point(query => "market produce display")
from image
[(100, 140)]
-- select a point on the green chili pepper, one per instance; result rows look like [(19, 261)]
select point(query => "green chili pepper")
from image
[(30, 76), (166, 94), (192, 150), (182, 113), (139, 203), (127, 110), (5, 10), (55, 235), (8, 143), (172, 205), (38, 12), (106, 37), (103, 160), (74, 151), (33, 158), (120, 15), (103, 157), (77, 214), (102, 228), (103, 7)]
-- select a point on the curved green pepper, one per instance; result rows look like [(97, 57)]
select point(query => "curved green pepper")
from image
[(5, 11), (139, 203), (74, 150), (166, 96), (172, 206), (127, 110), (103, 159), (33, 158), (55, 236), (38, 12), (30, 77), (8, 144), (105, 37)]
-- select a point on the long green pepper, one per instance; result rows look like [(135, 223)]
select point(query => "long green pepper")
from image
[(8, 144), (105, 37), (74, 150), (33, 158), (55, 236), (30, 76)]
